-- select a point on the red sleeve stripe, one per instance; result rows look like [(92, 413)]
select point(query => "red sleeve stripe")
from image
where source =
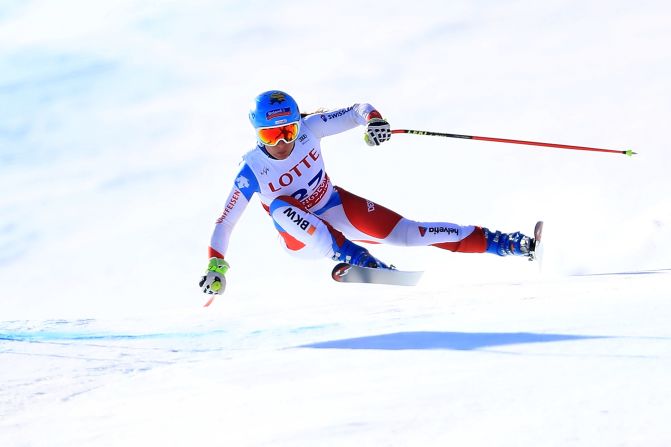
[(373, 114), (212, 253)]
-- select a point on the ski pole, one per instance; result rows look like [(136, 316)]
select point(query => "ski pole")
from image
[(505, 140)]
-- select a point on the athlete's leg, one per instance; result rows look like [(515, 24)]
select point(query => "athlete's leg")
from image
[(363, 220), (306, 235)]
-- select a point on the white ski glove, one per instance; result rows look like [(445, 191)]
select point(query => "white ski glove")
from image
[(377, 131), (214, 281)]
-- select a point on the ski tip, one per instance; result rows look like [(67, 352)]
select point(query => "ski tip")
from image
[(536, 252), (340, 270), (538, 230), (537, 255)]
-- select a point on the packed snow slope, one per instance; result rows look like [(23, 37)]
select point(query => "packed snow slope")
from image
[(578, 361), (121, 129)]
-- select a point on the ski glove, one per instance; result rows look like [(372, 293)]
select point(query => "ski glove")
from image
[(214, 281), (377, 131)]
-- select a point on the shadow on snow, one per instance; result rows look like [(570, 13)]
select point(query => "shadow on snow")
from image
[(461, 341)]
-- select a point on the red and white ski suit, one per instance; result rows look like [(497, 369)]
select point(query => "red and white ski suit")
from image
[(311, 214)]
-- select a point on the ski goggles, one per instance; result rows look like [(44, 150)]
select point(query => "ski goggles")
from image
[(270, 136)]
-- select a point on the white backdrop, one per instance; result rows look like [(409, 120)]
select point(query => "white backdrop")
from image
[(122, 125)]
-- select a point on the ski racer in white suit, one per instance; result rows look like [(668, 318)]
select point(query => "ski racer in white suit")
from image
[(315, 218)]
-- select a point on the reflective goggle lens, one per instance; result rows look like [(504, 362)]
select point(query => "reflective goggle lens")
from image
[(270, 136)]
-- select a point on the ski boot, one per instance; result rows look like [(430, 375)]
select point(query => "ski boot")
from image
[(354, 254), (515, 244)]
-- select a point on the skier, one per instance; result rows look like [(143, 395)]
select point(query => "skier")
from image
[(315, 218)]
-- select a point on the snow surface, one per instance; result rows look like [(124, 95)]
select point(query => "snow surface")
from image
[(121, 126), (581, 361)]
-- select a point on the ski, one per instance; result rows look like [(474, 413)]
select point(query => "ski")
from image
[(347, 273)]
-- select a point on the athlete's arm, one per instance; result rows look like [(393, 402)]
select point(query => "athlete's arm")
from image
[(336, 121), (244, 187)]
